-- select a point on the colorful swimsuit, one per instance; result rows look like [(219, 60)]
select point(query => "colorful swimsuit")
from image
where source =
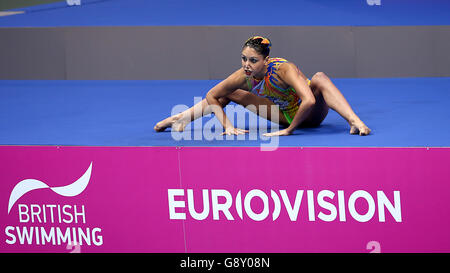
[(286, 99)]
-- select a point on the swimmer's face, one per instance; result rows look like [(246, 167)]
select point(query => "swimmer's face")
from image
[(253, 63)]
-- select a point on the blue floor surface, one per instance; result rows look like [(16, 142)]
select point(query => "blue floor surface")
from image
[(401, 113), (235, 13)]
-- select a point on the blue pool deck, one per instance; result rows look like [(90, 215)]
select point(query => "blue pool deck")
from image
[(402, 112), (234, 13)]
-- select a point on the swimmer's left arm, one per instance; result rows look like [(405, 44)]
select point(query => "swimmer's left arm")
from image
[(289, 73)]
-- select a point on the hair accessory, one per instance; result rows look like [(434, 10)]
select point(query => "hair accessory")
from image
[(264, 41)]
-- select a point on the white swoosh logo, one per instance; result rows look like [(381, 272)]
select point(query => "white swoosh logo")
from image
[(27, 185)]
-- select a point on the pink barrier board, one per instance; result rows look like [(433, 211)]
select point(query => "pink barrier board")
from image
[(217, 199)]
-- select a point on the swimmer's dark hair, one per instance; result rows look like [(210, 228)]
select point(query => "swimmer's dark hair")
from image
[(260, 44)]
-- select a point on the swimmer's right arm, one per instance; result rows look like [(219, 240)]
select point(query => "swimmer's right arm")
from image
[(221, 90)]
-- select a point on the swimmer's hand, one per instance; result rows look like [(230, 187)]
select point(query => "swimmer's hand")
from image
[(284, 132), (234, 131)]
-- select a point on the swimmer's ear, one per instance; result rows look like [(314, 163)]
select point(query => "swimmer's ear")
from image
[(266, 60)]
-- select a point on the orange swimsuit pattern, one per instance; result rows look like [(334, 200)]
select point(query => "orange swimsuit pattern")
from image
[(286, 99)]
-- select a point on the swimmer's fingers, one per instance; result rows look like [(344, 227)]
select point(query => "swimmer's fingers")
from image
[(234, 131), (242, 131), (284, 132)]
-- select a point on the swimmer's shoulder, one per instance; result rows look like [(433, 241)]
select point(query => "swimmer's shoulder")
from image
[(289, 66), (286, 66), (282, 65)]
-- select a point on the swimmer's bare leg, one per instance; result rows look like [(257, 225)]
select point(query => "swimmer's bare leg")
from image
[(179, 121), (336, 101)]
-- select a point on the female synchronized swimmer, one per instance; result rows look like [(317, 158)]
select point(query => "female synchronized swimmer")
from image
[(265, 81)]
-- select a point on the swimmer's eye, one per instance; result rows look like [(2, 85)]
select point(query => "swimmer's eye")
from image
[(252, 60)]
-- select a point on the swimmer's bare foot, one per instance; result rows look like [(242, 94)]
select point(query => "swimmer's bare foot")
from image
[(178, 125), (358, 127), (162, 125), (176, 122)]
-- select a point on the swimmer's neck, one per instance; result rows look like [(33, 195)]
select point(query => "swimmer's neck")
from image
[(261, 75)]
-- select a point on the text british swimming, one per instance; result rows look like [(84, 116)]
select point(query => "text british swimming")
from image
[(324, 205), (53, 224)]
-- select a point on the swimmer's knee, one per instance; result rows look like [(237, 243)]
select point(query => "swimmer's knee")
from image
[(318, 79), (319, 76)]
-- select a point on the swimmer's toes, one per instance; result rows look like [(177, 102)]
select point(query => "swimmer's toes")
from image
[(354, 130), (159, 128), (365, 131)]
